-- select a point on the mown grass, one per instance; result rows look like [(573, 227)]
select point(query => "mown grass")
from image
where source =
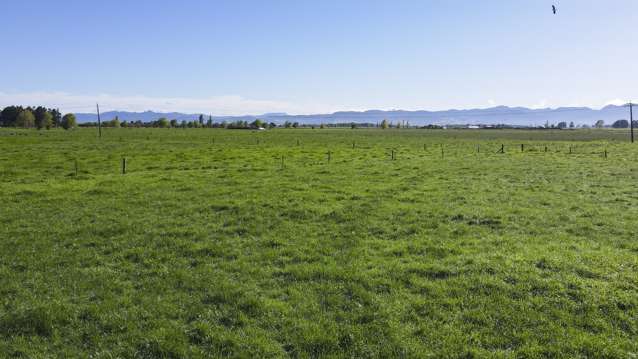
[(208, 246)]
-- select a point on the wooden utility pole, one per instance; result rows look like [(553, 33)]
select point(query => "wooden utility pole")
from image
[(99, 123), (631, 120)]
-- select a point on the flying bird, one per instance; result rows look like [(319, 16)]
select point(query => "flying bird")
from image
[(554, 9)]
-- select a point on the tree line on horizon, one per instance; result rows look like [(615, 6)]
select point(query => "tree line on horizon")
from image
[(257, 124), (164, 122), (598, 124), (202, 122), (36, 117)]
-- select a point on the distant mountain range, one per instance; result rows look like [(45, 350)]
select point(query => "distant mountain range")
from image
[(517, 116)]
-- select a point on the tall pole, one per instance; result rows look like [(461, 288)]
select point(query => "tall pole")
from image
[(631, 120), (99, 123)]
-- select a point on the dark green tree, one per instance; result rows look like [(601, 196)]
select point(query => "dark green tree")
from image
[(163, 123), (25, 119), (39, 117), (68, 121), (9, 115), (57, 117), (47, 120), (43, 118), (257, 124), (620, 124)]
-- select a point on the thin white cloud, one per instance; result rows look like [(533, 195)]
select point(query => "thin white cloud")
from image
[(616, 102), (217, 105), (540, 105)]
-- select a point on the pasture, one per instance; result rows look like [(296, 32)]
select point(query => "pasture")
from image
[(317, 243)]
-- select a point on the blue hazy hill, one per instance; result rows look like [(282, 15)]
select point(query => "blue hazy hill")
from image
[(517, 116)]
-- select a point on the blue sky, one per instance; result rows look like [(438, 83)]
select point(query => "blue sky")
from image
[(237, 57)]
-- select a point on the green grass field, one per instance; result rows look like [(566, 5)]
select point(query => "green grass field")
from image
[(211, 246)]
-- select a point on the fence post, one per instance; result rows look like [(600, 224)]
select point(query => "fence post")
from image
[(123, 165), (76, 167), (522, 147)]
